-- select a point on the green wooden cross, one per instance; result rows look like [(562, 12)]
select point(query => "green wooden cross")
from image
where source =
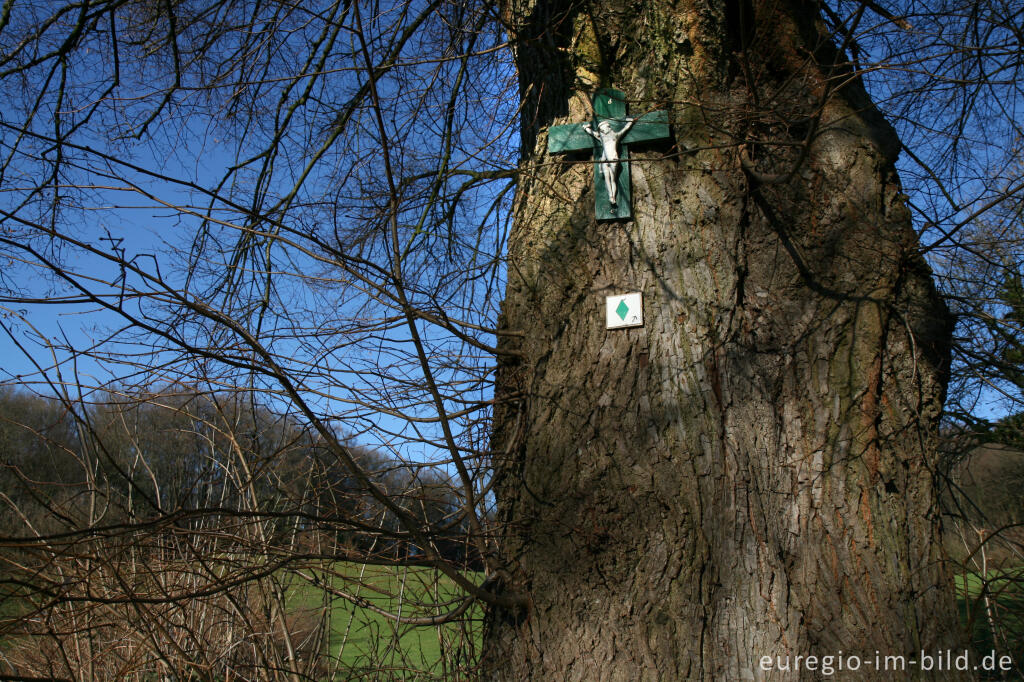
[(610, 107)]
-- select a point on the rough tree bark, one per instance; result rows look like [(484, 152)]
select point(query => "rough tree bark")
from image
[(751, 472)]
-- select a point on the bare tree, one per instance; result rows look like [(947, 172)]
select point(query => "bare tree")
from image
[(301, 210)]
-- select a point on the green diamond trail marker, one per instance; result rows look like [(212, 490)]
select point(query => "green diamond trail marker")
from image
[(608, 136), (624, 310)]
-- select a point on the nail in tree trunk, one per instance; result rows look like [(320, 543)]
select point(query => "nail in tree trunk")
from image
[(750, 473)]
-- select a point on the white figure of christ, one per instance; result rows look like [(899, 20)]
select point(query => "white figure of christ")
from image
[(609, 140)]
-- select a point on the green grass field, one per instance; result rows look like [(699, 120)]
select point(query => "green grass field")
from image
[(352, 642), (360, 640), (998, 622)]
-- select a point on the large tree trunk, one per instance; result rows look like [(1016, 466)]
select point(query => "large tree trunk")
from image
[(751, 473)]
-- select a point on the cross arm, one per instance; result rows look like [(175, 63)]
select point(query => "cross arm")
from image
[(568, 138), (652, 126)]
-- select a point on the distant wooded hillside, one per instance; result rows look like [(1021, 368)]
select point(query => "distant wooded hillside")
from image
[(182, 458)]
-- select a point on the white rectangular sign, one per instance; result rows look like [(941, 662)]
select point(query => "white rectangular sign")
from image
[(624, 310)]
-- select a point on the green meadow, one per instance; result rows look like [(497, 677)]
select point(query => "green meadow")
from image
[(991, 607), (360, 641)]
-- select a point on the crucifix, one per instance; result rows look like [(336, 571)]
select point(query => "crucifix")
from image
[(607, 135)]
